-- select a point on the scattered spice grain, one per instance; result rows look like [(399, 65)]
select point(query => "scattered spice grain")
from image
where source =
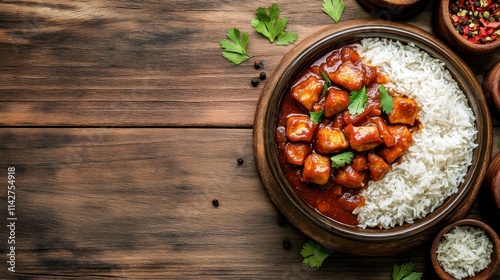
[(255, 82), (262, 75), (287, 244), (215, 202), (258, 64), (282, 220)]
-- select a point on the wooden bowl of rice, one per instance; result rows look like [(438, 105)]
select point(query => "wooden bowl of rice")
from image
[(398, 215), (466, 249)]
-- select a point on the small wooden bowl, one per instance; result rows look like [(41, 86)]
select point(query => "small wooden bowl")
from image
[(445, 30), (491, 86), (486, 273), (492, 180), (393, 9)]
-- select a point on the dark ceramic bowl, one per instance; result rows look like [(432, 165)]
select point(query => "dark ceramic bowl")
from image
[(444, 29), (486, 273), (332, 234)]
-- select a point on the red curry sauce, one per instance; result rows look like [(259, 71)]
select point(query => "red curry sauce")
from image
[(374, 138)]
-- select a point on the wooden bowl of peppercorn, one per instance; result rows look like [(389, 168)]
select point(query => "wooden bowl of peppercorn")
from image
[(470, 27)]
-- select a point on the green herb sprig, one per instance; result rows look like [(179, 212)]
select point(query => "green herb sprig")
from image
[(357, 101), (313, 254), (268, 24), (386, 101), (340, 160), (334, 9), (326, 85), (316, 117), (235, 49), (405, 272)]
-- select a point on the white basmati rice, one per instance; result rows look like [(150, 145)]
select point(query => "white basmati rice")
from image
[(464, 251), (438, 160)]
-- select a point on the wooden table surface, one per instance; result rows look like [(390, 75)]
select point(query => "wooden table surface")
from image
[(123, 121)]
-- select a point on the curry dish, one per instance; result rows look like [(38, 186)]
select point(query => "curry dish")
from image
[(338, 129)]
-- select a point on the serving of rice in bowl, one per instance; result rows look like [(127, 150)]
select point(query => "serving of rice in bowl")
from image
[(434, 182), (441, 153), (466, 249)]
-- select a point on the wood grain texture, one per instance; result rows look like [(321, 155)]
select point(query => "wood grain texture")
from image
[(137, 204), (143, 63), (124, 122)]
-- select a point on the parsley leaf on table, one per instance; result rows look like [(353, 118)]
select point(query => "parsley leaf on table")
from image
[(313, 254), (357, 101), (269, 25), (405, 272), (386, 101), (334, 8), (235, 50), (340, 160), (286, 38)]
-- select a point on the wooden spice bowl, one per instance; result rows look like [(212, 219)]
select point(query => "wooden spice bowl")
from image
[(393, 9), (491, 85), (492, 181), (445, 30), (486, 273), (328, 232)]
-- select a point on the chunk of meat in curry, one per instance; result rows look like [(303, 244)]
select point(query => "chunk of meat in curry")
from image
[(373, 139)]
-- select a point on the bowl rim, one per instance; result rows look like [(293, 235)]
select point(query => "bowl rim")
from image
[(393, 9), (486, 273), (490, 85), (271, 174)]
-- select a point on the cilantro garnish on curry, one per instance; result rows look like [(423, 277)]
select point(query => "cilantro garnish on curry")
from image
[(339, 128)]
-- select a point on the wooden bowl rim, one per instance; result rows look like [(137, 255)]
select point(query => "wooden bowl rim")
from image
[(481, 48), (492, 179), (295, 210), (403, 3), (491, 84), (486, 273), (393, 9)]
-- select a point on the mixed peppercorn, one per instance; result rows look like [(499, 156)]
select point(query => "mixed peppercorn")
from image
[(477, 21)]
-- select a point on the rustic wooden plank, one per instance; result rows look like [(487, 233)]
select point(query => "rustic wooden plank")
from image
[(143, 63), (137, 203)]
